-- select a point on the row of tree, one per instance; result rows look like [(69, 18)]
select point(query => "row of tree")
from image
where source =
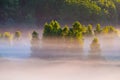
[(9, 36), (77, 31), (82, 10)]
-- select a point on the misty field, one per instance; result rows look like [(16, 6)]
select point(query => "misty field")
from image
[(77, 52), (21, 61)]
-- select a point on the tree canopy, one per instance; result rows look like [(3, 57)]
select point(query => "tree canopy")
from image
[(69, 10)]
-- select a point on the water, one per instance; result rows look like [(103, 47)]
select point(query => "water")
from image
[(20, 60)]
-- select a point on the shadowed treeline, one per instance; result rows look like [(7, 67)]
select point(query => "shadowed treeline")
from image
[(40, 11)]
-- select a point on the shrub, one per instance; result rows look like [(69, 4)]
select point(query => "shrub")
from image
[(65, 31), (35, 35), (95, 46), (17, 34), (1, 35), (89, 31), (7, 35), (98, 29)]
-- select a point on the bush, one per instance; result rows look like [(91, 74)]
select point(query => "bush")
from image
[(89, 31), (1, 35), (53, 29), (7, 35), (109, 30), (95, 46), (17, 34), (35, 35), (98, 29), (65, 31)]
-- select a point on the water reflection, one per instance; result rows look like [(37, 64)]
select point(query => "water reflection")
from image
[(106, 49), (14, 49), (55, 49), (111, 48), (95, 49)]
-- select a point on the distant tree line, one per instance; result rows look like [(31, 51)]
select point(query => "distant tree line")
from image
[(77, 31), (64, 10), (71, 36)]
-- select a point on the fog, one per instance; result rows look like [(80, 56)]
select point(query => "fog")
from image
[(23, 60)]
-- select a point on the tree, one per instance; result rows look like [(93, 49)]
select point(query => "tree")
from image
[(1, 36), (65, 31), (53, 29), (95, 48), (7, 36), (77, 26), (47, 30), (17, 34), (89, 31), (35, 35), (98, 29)]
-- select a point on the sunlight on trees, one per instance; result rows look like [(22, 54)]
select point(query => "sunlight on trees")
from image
[(98, 29), (7, 36)]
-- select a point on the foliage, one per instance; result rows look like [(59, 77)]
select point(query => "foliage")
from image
[(77, 31), (17, 34), (89, 31), (35, 35), (65, 31), (95, 41), (95, 46), (98, 29), (53, 29), (1, 36), (108, 30), (7, 35), (44, 10)]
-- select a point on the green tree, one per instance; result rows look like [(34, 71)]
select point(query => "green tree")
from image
[(7, 36), (47, 30), (98, 29), (77, 26), (35, 35), (95, 46), (17, 34), (89, 31), (65, 31)]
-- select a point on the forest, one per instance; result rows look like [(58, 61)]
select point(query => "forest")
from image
[(36, 11)]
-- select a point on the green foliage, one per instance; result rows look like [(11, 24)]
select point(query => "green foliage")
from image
[(98, 29), (17, 34), (89, 30), (7, 35), (78, 35), (1, 35), (40, 10), (35, 35), (108, 30), (77, 32), (95, 46), (65, 31), (52, 30), (95, 41), (77, 26), (47, 30), (81, 10)]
